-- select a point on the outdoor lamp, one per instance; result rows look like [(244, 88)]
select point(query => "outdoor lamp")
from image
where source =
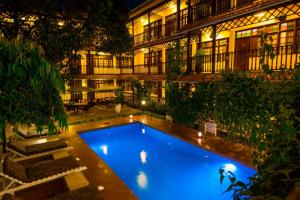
[(130, 116), (199, 134), (143, 102)]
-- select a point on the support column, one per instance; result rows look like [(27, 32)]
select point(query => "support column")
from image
[(120, 63), (149, 61), (178, 15), (188, 56), (213, 60), (132, 62), (132, 25), (214, 31), (159, 91), (189, 19), (199, 63), (149, 28)]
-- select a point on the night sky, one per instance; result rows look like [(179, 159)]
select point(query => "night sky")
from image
[(134, 3)]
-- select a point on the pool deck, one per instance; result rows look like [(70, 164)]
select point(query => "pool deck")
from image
[(99, 174)]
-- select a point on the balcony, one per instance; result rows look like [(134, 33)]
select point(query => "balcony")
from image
[(152, 69), (249, 60), (156, 32), (285, 56), (88, 70), (201, 15)]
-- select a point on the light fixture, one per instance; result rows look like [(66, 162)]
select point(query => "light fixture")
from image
[(172, 6), (60, 23), (261, 14), (130, 116), (143, 102), (199, 134)]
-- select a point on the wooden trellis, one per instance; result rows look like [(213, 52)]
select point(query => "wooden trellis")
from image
[(292, 9)]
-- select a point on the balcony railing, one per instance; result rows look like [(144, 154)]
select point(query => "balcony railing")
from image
[(199, 11), (105, 70), (156, 32), (248, 60), (152, 69)]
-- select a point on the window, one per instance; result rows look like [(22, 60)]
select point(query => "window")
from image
[(103, 61), (126, 62), (153, 30), (221, 48), (171, 24)]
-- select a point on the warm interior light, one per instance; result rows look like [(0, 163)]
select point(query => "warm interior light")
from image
[(172, 6), (199, 134), (260, 14), (143, 102), (60, 23)]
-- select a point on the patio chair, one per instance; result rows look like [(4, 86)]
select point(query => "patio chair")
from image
[(21, 148), (20, 174), (30, 133)]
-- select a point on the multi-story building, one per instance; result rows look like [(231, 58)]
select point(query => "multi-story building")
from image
[(225, 34)]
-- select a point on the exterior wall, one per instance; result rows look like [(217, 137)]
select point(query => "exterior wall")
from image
[(224, 60)]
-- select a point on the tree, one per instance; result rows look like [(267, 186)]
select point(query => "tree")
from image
[(29, 88), (63, 28)]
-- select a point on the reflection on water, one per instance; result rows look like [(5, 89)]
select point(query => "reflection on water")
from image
[(229, 167), (104, 149), (143, 156), (142, 180), (199, 141), (143, 131)]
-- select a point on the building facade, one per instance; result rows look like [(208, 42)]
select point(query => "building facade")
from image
[(224, 34)]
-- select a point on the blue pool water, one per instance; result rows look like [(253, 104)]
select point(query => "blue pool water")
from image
[(157, 166)]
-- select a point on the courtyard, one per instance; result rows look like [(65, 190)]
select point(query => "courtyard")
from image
[(162, 99)]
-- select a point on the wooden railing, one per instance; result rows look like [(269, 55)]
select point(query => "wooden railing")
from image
[(156, 32), (199, 11), (248, 60)]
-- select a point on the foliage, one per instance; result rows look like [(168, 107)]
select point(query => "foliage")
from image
[(175, 62), (119, 96), (158, 108), (276, 144), (199, 59), (63, 28), (141, 92), (180, 104), (263, 111), (30, 87)]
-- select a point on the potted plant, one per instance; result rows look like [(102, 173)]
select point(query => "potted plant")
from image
[(199, 60), (118, 100)]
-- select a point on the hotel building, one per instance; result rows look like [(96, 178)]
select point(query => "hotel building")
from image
[(225, 34)]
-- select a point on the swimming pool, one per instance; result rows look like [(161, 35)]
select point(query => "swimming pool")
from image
[(157, 166)]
